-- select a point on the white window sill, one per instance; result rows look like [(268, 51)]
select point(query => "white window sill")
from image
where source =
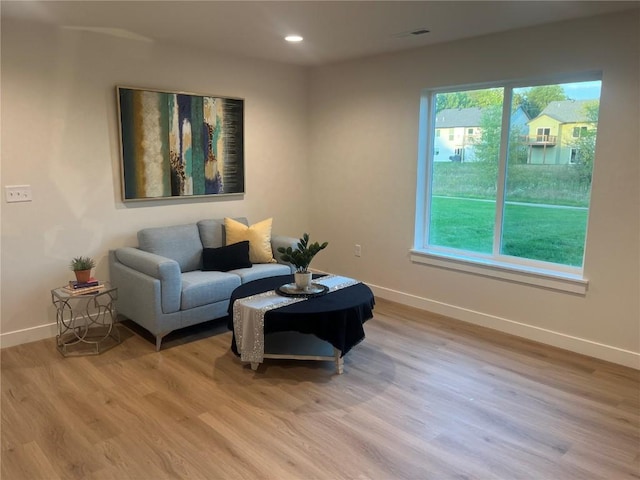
[(554, 280)]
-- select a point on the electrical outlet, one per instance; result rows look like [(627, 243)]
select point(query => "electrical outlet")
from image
[(17, 193), (357, 250)]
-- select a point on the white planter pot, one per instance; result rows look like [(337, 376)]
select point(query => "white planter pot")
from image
[(303, 280)]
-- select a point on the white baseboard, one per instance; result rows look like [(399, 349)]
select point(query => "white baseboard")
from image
[(27, 335), (548, 337)]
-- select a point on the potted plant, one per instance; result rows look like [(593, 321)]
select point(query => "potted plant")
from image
[(301, 258), (82, 266)]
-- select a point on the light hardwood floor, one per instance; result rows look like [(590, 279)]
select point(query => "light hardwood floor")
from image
[(423, 397)]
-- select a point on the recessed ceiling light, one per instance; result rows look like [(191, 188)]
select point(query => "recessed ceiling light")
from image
[(293, 38)]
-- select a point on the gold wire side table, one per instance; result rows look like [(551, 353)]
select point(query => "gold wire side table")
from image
[(85, 322)]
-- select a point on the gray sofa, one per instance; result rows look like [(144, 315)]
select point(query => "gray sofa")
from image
[(161, 286)]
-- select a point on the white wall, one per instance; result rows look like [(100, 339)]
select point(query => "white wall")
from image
[(363, 141), (60, 135), (355, 145)]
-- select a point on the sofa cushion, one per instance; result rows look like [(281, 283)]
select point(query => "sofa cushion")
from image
[(258, 234), (202, 288), (178, 242), (212, 233), (226, 258), (262, 270)]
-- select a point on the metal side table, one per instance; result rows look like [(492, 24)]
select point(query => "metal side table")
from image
[(86, 322)]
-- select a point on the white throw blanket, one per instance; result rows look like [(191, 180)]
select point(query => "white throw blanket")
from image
[(248, 315)]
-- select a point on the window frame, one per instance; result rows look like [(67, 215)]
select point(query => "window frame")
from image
[(553, 276), (573, 156), (543, 137), (581, 131)]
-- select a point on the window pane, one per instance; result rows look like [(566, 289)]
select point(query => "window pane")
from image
[(464, 169), (550, 161)]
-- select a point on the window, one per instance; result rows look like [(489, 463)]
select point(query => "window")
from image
[(521, 200), (573, 156), (451, 132), (543, 134), (579, 132)]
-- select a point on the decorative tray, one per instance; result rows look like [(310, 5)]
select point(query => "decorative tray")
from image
[(290, 290)]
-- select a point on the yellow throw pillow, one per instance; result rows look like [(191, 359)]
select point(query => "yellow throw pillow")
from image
[(258, 234)]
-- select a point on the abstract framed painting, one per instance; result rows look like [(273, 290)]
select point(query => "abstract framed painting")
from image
[(180, 145)]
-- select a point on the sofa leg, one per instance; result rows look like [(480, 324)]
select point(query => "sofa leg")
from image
[(159, 340)]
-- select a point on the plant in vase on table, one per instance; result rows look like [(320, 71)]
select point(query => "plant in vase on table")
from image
[(301, 259), (82, 266)]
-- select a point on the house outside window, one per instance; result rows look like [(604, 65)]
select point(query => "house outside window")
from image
[(520, 199), (458, 147)]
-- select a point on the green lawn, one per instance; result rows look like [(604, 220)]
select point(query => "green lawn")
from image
[(551, 234)]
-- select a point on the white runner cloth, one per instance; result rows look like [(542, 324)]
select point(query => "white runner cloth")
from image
[(248, 315)]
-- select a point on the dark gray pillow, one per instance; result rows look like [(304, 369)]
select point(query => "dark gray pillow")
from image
[(227, 258)]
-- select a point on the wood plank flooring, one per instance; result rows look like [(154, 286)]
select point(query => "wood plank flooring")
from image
[(423, 397)]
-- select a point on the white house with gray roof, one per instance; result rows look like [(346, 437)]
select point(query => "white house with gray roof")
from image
[(457, 131)]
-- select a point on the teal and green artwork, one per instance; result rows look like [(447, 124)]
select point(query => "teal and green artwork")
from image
[(180, 145)]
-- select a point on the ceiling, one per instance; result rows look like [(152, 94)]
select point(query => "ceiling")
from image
[(332, 30)]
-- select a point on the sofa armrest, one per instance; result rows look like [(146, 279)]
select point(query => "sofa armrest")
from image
[(283, 241), (166, 270)]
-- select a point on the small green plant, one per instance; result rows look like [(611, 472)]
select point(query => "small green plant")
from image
[(82, 263), (301, 257)]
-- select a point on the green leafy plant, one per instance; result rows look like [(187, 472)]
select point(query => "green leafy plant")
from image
[(301, 257), (82, 263)]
